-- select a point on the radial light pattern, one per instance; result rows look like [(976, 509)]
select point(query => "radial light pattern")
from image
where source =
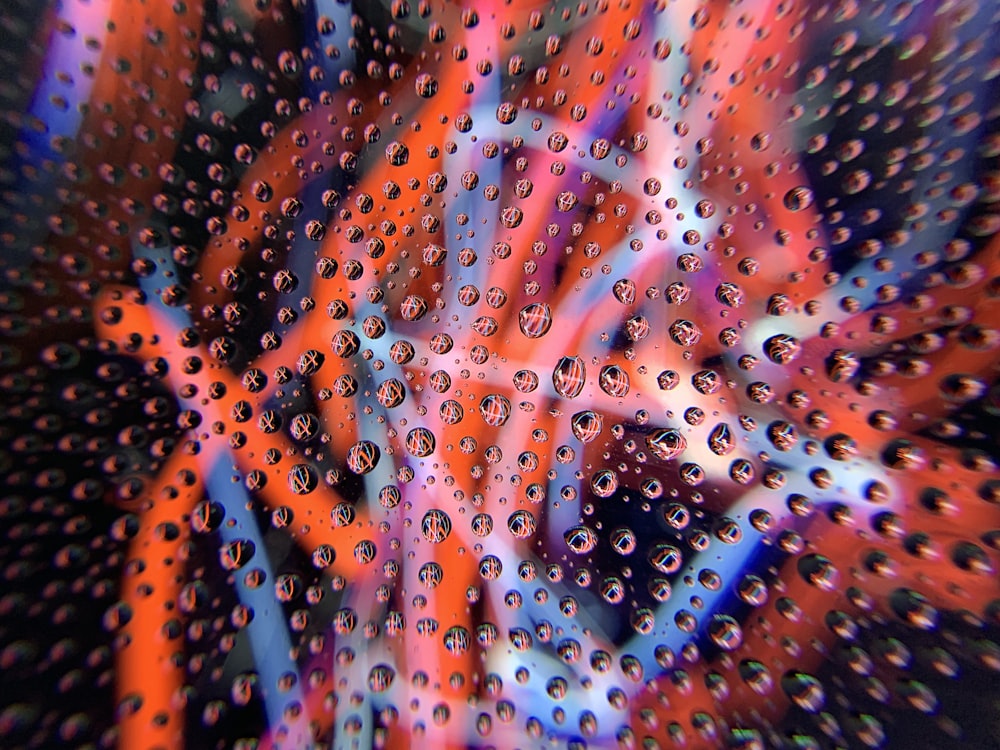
[(500, 374)]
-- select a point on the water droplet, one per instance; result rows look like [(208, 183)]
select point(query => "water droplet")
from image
[(535, 320), (302, 479), (425, 85), (236, 554), (818, 571), (684, 333), (604, 483), (435, 526), (569, 376), (380, 678), (782, 349), (666, 444), (363, 457), (495, 409), (614, 381), (580, 539), (521, 524), (725, 632), (586, 426), (804, 690), (798, 198), (666, 558)]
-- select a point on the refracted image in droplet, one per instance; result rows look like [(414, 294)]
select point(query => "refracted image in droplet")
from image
[(666, 444), (614, 380), (569, 376), (362, 457), (587, 426), (535, 320), (495, 409)]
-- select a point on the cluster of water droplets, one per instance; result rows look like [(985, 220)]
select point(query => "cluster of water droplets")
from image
[(589, 374)]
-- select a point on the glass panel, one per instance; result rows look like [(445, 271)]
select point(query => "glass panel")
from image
[(499, 374)]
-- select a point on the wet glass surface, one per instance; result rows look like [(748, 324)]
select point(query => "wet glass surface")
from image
[(499, 374)]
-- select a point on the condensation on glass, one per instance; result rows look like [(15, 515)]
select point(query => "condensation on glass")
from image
[(610, 374)]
